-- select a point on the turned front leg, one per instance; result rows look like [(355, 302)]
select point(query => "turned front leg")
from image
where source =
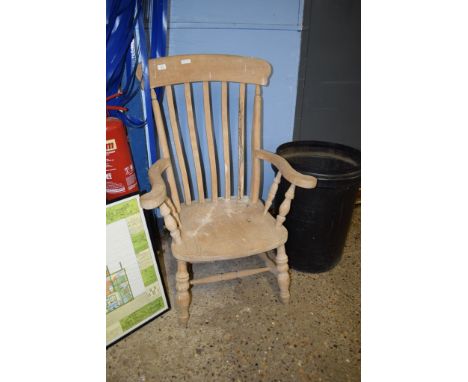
[(183, 295), (283, 274)]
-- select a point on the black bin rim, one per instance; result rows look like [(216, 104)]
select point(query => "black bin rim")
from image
[(337, 151)]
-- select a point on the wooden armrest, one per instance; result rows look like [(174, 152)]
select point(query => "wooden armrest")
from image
[(291, 175), (158, 194)]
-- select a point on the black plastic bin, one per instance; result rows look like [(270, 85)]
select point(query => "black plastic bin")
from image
[(319, 219)]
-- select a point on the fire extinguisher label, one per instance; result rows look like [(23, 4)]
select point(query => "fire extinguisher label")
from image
[(130, 177), (131, 182), (120, 172), (111, 145), (114, 188), (129, 170)]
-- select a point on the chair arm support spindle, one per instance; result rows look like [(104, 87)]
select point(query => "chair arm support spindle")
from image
[(272, 192), (170, 222), (285, 206), (174, 212)]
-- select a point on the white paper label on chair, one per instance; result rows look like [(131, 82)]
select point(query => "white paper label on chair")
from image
[(185, 61), (162, 67)]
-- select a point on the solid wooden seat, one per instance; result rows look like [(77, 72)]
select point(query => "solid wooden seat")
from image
[(227, 229), (220, 224)]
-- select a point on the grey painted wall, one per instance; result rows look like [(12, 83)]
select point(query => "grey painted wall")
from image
[(329, 93)]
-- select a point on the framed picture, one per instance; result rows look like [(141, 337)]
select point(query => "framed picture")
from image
[(134, 291)]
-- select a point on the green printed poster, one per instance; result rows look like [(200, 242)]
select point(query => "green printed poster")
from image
[(134, 292)]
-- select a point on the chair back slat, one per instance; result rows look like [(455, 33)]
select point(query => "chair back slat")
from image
[(165, 153), (256, 127), (218, 152), (210, 140), (241, 141), (226, 150), (194, 141), (178, 144)]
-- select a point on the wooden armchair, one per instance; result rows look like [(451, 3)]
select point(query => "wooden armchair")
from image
[(221, 227)]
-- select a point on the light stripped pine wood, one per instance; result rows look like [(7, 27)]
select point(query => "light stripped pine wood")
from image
[(164, 148), (272, 192), (210, 141), (241, 141), (229, 276), (158, 194), (183, 294), (283, 274), (206, 67), (291, 175), (174, 212), (285, 206), (178, 144), (227, 229), (170, 223), (256, 134), (193, 142), (226, 152), (268, 262)]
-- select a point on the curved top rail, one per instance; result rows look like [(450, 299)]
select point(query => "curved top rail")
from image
[(206, 67)]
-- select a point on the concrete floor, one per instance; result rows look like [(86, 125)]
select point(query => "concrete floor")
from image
[(239, 331)]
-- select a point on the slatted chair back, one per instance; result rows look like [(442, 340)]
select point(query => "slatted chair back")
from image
[(168, 72)]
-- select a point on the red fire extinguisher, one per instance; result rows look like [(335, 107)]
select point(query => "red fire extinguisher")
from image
[(120, 173)]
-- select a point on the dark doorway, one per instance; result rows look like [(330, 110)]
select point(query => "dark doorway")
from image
[(329, 89)]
